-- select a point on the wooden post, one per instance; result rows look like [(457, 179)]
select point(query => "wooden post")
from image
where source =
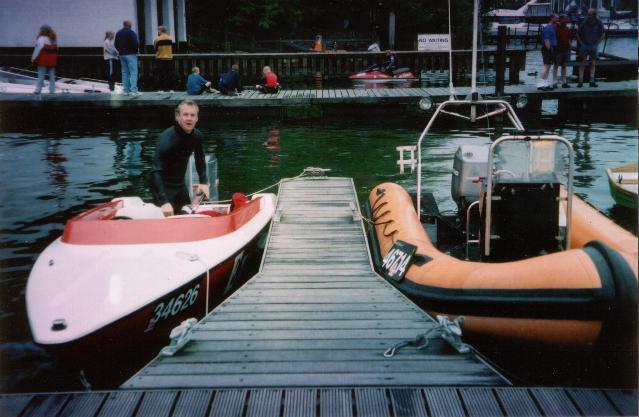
[(500, 61)]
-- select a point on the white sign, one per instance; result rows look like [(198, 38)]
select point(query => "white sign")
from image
[(430, 42)]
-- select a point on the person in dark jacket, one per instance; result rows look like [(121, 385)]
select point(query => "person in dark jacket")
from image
[(230, 81), (175, 146), (589, 35), (127, 44), (390, 63)]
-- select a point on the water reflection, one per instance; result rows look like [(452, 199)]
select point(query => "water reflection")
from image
[(58, 175), (272, 145)]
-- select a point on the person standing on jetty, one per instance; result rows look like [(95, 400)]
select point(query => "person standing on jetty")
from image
[(562, 54), (230, 81), (127, 44), (590, 33), (45, 56), (548, 45), (111, 59), (269, 83), (174, 147), (164, 59)]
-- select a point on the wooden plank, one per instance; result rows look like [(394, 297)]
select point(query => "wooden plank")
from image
[(305, 380), (13, 405), (264, 403), (592, 403), (372, 403), (517, 402), (554, 402), (313, 365), (407, 403), (47, 405), (480, 402), (624, 401), (120, 404), (228, 403), (207, 346), (335, 403), (311, 299), (319, 307), (299, 403), (293, 284), (444, 402), (193, 403), (157, 404), (83, 405), (291, 325), (321, 316)]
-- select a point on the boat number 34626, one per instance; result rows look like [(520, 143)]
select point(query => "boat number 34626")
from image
[(174, 306)]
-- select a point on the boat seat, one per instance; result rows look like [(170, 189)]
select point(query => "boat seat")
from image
[(626, 177), (135, 208)]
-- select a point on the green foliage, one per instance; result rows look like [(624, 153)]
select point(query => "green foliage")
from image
[(245, 21)]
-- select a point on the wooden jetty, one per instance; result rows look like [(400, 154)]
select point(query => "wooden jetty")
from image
[(316, 314), (306, 336), (308, 103)]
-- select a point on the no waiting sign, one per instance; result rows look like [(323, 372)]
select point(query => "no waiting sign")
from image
[(431, 42)]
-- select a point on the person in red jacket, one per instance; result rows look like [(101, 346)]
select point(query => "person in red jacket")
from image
[(45, 56), (269, 83)]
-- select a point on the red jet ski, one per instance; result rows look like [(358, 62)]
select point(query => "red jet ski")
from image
[(375, 74)]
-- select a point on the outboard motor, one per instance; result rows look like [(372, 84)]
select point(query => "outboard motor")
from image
[(524, 210), (470, 166)]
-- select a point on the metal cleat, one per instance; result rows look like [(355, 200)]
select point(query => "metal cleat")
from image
[(180, 336), (452, 333)]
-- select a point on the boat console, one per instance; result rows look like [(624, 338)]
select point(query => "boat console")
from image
[(524, 211)]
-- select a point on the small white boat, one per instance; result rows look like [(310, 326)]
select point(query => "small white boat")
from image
[(123, 274), (623, 184), (21, 81)]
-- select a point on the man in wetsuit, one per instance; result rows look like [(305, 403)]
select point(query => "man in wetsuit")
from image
[(175, 146)]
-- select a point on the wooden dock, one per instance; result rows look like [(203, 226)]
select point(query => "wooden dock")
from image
[(316, 314), (306, 336), (303, 104)]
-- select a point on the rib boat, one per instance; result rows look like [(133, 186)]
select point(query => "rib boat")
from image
[(523, 259)]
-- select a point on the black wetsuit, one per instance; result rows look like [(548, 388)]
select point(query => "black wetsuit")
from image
[(174, 147)]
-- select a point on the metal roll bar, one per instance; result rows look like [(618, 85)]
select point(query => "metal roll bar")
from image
[(491, 173)]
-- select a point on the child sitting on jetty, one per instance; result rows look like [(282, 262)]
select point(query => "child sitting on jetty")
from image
[(269, 83)]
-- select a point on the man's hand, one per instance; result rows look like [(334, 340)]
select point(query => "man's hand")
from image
[(203, 188), (167, 209)]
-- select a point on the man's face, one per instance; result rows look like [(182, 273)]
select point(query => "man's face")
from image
[(187, 118)]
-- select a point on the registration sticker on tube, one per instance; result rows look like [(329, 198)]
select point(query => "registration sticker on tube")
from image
[(397, 260)]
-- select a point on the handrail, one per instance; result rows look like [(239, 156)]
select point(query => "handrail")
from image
[(489, 181), (502, 106)]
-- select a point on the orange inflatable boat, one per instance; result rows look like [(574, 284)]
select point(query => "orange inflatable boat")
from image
[(575, 297)]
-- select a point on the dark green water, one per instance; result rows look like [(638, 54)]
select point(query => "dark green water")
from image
[(49, 175)]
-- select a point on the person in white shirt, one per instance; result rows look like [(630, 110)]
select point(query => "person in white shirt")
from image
[(111, 58)]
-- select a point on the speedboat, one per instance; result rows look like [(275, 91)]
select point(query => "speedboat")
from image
[(623, 184), (375, 74), (21, 81), (123, 275), (523, 260)]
